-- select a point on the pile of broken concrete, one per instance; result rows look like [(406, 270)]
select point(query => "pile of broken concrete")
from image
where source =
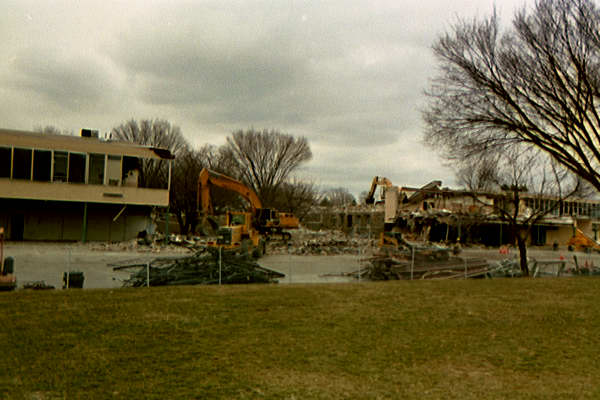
[(324, 243)]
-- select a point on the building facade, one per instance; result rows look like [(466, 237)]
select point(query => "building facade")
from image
[(58, 187)]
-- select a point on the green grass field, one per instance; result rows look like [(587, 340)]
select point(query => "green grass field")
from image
[(502, 338)]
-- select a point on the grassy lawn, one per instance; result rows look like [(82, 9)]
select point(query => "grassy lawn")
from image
[(500, 338)]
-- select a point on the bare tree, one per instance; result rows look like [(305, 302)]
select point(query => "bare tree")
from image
[(525, 185), (265, 159), (478, 172), (297, 196), (52, 130), (154, 133), (362, 197), (535, 83), (184, 185), (338, 197)]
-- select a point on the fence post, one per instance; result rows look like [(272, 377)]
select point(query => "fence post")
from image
[(68, 267), (359, 262), (148, 274), (220, 263), (412, 262)]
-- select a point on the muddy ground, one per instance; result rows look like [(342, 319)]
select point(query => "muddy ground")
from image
[(48, 261)]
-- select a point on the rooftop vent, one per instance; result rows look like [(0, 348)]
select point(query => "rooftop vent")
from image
[(89, 133)]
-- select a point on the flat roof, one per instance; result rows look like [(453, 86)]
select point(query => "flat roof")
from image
[(79, 144)]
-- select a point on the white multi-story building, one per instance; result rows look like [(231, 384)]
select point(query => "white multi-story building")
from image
[(58, 187)]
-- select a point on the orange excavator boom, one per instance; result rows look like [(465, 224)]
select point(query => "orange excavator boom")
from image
[(377, 181), (210, 178)]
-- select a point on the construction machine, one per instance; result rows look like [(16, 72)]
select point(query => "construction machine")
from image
[(378, 181), (390, 238), (244, 227)]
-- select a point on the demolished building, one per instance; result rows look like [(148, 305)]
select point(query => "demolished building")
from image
[(439, 214), (58, 187)]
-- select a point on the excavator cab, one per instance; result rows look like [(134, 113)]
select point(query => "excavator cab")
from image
[(229, 236), (266, 217)]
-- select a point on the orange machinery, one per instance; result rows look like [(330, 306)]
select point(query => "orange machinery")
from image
[(247, 225)]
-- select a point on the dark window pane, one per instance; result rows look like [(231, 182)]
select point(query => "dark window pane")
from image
[(76, 168), (60, 166), (96, 174), (42, 160), (131, 171), (22, 164), (5, 162)]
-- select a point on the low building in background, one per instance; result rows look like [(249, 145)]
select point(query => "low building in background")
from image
[(438, 214), (58, 187)]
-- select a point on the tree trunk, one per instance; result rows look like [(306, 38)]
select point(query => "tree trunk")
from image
[(522, 244), (191, 220), (182, 225)]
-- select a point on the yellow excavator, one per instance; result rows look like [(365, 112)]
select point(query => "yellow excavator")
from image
[(389, 238), (245, 228), (377, 181)]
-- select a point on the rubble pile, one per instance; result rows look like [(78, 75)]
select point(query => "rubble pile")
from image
[(303, 242), (391, 268), (156, 244), (201, 268), (37, 285), (306, 242), (419, 261)]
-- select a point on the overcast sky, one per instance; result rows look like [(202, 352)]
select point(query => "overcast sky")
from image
[(348, 75)]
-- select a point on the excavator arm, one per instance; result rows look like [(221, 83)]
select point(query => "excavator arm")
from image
[(210, 178), (378, 180)]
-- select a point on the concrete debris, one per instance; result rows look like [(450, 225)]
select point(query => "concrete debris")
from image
[(303, 242), (307, 242), (37, 285), (425, 266), (156, 244), (207, 266)]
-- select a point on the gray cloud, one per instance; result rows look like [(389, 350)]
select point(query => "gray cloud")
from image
[(69, 80), (349, 75), (310, 68)]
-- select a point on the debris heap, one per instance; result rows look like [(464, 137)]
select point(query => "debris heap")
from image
[(202, 268), (306, 242), (421, 262)]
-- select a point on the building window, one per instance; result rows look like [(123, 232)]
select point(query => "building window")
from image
[(76, 168), (131, 171), (96, 171), (113, 170), (61, 164), (42, 165), (555, 208), (5, 161), (22, 164)]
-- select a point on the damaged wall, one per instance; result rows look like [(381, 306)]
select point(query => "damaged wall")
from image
[(441, 214), (360, 220)]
